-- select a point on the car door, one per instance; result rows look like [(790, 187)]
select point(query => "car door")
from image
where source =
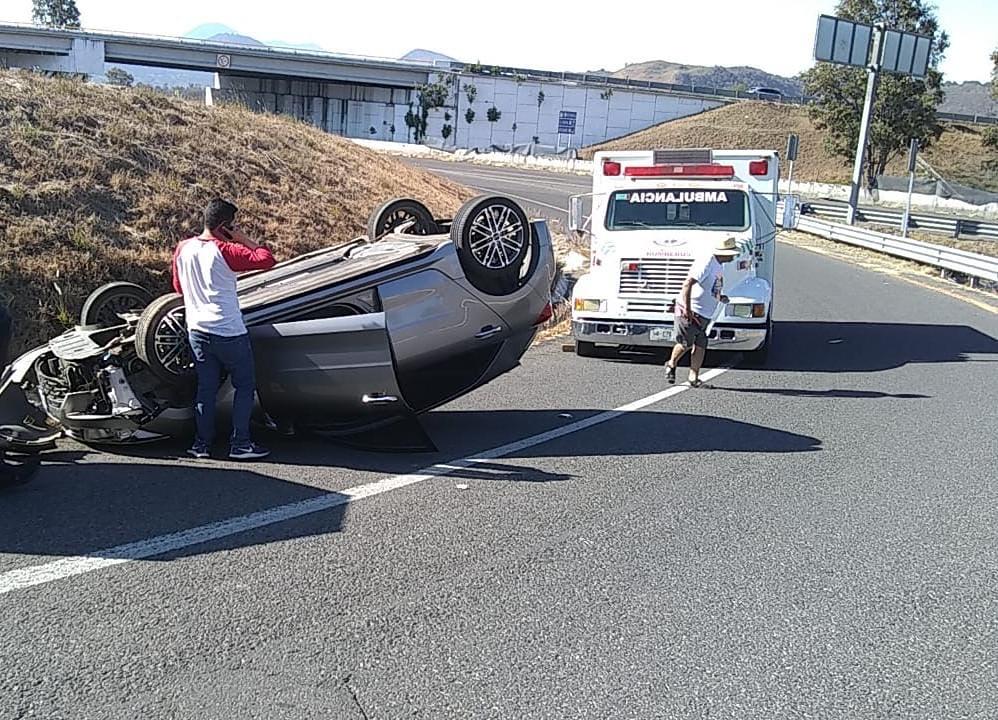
[(332, 373), (443, 337)]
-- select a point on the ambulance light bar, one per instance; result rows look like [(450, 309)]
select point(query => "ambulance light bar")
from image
[(679, 171)]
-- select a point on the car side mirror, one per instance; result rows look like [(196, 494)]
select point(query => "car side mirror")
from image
[(576, 219)]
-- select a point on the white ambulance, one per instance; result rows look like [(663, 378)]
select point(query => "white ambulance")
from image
[(653, 212)]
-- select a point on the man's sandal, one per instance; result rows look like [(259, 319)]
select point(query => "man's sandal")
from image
[(696, 383), (670, 374)]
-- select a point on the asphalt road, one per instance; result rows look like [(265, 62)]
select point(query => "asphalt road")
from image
[(817, 539)]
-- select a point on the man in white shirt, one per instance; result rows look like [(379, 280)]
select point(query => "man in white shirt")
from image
[(204, 272), (696, 304)]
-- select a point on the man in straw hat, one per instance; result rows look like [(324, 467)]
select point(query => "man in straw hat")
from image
[(696, 304)]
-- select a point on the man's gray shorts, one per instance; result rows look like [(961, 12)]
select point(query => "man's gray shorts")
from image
[(690, 333)]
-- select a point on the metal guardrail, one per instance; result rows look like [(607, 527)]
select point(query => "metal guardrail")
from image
[(951, 226), (946, 258)]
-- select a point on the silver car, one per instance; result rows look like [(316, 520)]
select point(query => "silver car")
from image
[(351, 341)]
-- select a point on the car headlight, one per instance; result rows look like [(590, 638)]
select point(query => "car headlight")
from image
[(588, 305), (747, 310)]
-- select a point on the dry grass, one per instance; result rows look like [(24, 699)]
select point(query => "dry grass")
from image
[(99, 184), (958, 155)]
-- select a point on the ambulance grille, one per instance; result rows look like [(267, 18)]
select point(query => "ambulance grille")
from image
[(648, 306), (662, 278)]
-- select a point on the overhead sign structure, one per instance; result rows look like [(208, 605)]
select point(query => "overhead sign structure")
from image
[(845, 42), (875, 47)]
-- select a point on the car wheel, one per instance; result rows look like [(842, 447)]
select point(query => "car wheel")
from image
[(104, 304), (396, 212), (492, 237), (161, 339)]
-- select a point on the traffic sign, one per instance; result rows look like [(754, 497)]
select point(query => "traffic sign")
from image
[(566, 122)]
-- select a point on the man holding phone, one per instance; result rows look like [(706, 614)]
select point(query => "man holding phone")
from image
[(204, 273)]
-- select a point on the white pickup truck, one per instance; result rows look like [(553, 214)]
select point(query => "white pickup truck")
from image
[(653, 212)]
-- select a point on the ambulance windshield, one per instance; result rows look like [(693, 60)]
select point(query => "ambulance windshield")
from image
[(677, 208)]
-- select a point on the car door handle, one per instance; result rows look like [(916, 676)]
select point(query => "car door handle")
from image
[(378, 398), (488, 331)]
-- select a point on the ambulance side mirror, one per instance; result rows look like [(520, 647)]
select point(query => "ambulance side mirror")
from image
[(576, 219)]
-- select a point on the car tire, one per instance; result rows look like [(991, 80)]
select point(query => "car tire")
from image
[(397, 211), (492, 235), (102, 305), (161, 340)]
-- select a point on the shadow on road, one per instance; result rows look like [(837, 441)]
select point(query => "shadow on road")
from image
[(78, 504), (855, 394), (870, 347)]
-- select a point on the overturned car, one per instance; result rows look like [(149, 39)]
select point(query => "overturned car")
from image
[(351, 341)]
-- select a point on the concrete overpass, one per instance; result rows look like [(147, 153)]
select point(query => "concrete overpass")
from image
[(83, 52), (370, 97)]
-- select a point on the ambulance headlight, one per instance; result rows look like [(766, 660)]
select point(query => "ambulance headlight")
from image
[(747, 310), (589, 305)]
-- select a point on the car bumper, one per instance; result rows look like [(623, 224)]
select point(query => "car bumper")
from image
[(658, 334)]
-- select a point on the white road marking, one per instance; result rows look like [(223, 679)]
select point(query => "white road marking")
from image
[(67, 567)]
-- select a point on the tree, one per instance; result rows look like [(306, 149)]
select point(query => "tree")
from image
[(117, 76), (431, 96), (905, 107), (990, 137), (469, 116), (55, 13), (492, 114), (446, 131)]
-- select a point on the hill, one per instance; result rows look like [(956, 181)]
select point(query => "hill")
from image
[(966, 98), (969, 98), (958, 155), (718, 76), (99, 183)]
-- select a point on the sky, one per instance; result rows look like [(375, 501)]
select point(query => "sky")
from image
[(774, 35)]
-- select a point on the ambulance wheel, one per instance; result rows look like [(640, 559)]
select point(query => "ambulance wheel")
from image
[(161, 340), (104, 304), (492, 235), (396, 212), (760, 356), (585, 349)]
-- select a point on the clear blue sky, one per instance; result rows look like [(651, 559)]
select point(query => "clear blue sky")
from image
[(775, 35)]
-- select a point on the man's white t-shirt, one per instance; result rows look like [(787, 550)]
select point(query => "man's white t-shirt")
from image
[(205, 272), (708, 283)]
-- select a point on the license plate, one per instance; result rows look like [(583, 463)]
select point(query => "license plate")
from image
[(660, 334)]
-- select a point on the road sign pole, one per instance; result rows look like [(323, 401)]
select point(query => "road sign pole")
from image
[(873, 75), (912, 155)]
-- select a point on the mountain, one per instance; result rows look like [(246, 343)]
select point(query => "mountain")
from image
[(718, 76), (969, 98), (234, 39), (428, 56), (207, 30)]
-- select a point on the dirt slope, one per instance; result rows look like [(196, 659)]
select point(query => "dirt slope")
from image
[(958, 155), (99, 183)]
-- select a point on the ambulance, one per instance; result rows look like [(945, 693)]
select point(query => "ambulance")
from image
[(653, 213)]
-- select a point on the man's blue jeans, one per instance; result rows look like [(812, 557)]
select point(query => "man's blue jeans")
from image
[(212, 354)]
